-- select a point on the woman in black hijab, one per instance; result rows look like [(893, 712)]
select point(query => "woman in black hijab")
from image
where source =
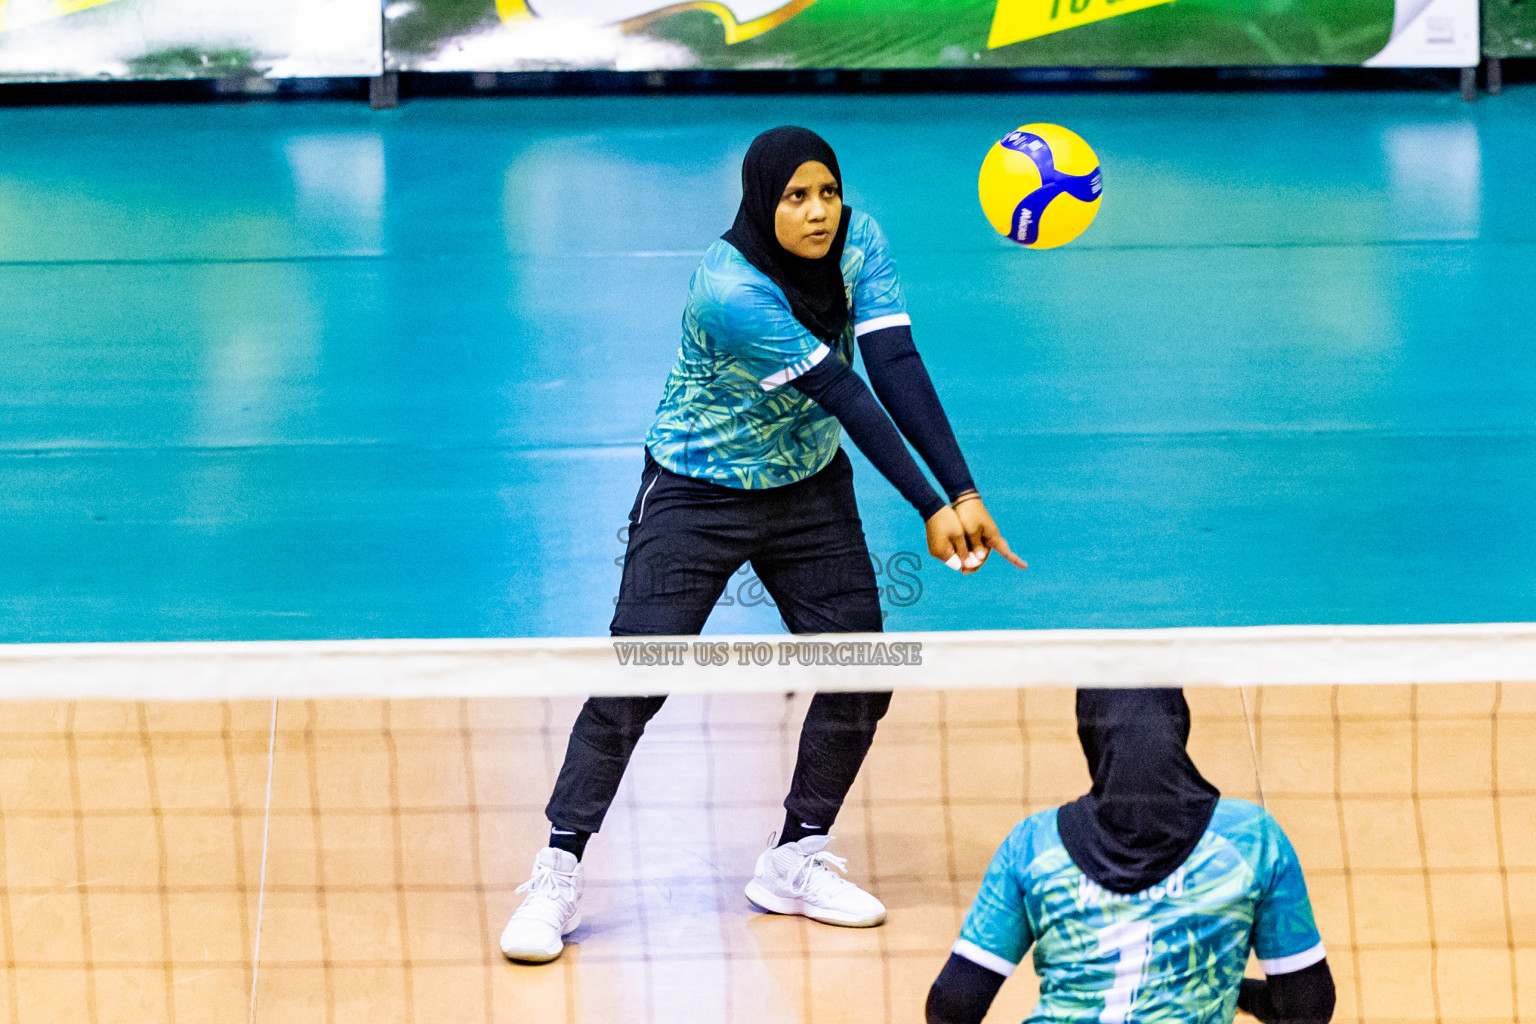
[(1163, 890), (812, 285), (1149, 804), (743, 464)]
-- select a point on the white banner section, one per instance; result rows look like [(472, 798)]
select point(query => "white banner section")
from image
[(1432, 34), (62, 40), (1239, 656)]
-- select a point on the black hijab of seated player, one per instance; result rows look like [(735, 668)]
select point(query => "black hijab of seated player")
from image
[(1149, 804), (814, 288)]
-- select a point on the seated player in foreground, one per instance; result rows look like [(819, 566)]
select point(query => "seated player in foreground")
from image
[(1142, 898)]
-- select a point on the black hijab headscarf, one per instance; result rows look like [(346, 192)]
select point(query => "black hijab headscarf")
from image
[(1149, 804), (814, 287)]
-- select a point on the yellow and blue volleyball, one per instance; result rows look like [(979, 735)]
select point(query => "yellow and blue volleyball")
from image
[(1040, 186)]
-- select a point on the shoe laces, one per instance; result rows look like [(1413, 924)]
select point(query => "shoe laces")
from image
[(814, 873), (551, 896)]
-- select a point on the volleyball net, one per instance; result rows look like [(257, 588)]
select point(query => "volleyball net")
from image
[(294, 831)]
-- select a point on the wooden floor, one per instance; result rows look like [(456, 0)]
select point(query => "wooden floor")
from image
[(132, 839)]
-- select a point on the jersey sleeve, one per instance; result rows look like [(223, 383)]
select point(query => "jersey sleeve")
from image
[(877, 299), (756, 326), (1285, 936), (997, 933)]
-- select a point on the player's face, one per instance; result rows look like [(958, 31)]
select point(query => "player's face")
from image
[(809, 211)]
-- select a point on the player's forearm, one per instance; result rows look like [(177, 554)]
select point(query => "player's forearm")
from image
[(1300, 997), (962, 993), (834, 386), (901, 381)]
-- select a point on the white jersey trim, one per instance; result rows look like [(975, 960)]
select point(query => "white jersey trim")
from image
[(1294, 962), (981, 958), (880, 323), (794, 370)]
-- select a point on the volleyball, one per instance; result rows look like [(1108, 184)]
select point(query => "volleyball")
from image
[(1040, 186)]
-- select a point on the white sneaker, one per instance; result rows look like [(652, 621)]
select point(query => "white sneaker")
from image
[(797, 878), (552, 910)]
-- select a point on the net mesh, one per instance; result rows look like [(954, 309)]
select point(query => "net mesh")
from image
[(134, 838)]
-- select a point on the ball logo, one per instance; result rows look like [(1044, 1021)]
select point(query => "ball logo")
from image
[(1023, 232), (1023, 142)]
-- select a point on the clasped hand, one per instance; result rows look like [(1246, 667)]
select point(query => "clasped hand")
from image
[(962, 535)]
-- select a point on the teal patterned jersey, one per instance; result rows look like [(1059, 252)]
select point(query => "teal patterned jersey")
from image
[(1171, 953), (725, 415)]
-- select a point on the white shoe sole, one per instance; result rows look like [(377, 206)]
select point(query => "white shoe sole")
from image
[(543, 956), (765, 900)]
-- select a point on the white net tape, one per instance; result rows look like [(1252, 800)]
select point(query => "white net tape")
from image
[(1226, 656)]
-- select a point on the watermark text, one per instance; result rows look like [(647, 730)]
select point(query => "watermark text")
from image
[(785, 652)]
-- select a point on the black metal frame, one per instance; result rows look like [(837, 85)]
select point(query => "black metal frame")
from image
[(387, 90)]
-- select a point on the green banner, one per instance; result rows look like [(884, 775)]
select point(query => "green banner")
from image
[(1509, 28), (520, 35)]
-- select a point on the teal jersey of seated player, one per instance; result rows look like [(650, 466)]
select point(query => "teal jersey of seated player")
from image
[(1174, 952), (726, 415)]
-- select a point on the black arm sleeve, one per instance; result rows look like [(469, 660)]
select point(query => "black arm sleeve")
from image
[(834, 386), (1300, 997), (901, 381), (962, 993)]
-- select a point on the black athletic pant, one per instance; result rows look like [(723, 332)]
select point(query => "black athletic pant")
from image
[(686, 538)]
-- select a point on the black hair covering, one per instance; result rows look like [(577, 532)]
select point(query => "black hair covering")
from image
[(814, 287), (1149, 804)]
